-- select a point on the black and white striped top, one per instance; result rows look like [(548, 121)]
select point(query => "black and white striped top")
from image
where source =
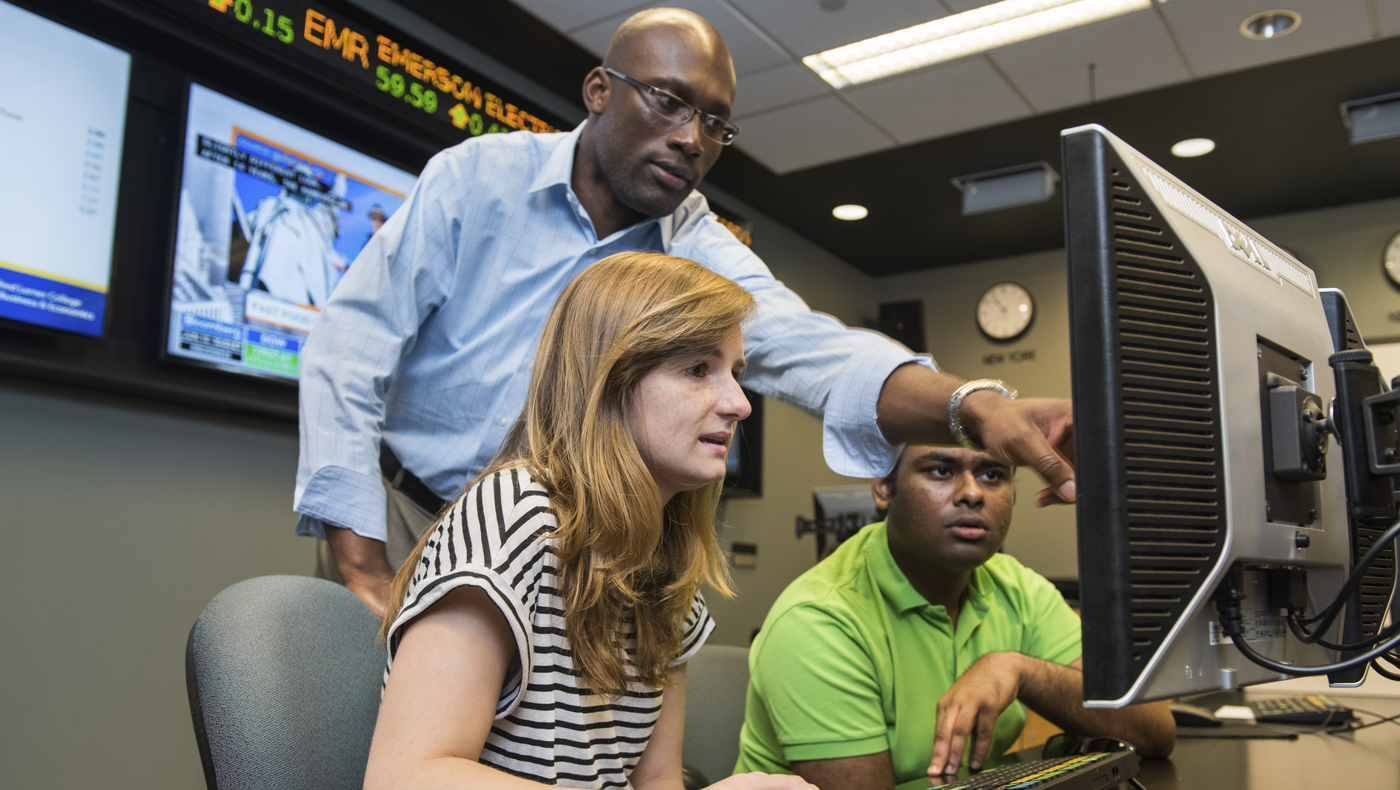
[(499, 537)]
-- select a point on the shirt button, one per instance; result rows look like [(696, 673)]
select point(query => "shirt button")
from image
[(504, 422)]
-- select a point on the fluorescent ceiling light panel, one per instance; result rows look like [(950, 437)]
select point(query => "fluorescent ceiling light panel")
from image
[(960, 35)]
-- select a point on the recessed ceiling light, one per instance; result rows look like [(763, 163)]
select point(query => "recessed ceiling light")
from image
[(1196, 146), (960, 35), (849, 211), (1270, 24)]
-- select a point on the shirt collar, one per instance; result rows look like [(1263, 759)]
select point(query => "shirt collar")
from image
[(559, 167), (895, 585), (558, 170)]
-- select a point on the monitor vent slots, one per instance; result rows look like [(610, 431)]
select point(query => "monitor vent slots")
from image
[(1376, 584), (1171, 432), (1160, 514)]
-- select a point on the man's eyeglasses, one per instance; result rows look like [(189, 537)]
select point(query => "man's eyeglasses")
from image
[(670, 107)]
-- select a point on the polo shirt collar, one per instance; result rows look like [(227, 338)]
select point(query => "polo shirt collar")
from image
[(896, 587), (558, 170)]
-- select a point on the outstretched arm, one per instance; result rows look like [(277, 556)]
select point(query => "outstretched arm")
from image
[(1057, 693), (1033, 432), (967, 713)]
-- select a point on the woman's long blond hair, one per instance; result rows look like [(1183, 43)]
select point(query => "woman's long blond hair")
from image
[(616, 322)]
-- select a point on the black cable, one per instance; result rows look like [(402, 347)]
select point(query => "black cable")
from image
[(1355, 727), (1353, 581), (1289, 669), (1301, 632), (1383, 672), (1326, 725), (1228, 604)]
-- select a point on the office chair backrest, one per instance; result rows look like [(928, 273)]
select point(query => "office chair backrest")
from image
[(716, 684), (284, 677)]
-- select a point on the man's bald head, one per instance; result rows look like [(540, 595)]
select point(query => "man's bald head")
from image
[(639, 156), (647, 33)]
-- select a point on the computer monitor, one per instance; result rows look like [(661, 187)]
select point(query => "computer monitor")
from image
[(743, 467), (61, 132), (270, 218), (1200, 381)]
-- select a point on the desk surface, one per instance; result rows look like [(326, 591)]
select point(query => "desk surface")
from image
[(1361, 759), (1368, 758)]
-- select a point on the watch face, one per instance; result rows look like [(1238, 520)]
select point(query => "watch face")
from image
[(1005, 311), (1391, 259)]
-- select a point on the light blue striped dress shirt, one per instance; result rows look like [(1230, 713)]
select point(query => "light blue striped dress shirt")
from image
[(427, 343)]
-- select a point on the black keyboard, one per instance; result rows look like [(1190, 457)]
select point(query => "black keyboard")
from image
[(1314, 709), (1094, 770)]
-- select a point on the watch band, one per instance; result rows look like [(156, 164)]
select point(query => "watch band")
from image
[(955, 404)]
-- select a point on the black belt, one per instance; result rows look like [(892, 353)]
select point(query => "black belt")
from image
[(407, 482)]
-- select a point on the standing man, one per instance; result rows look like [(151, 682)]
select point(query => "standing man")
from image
[(420, 361), (915, 641)]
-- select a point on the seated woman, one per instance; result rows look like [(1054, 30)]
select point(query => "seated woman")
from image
[(539, 633)]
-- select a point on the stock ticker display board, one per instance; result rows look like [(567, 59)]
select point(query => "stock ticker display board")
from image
[(369, 59)]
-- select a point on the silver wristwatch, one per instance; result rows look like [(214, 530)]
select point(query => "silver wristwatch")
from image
[(955, 403)]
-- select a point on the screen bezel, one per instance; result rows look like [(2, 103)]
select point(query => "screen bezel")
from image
[(174, 221)]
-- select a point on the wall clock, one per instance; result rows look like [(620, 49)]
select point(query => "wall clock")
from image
[(1390, 259), (1006, 309)]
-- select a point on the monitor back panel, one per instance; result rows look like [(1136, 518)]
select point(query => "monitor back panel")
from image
[(1178, 315)]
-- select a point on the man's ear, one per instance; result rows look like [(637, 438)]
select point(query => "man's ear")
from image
[(882, 488), (597, 87)]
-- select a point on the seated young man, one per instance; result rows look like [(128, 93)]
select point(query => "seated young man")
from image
[(916, 641)]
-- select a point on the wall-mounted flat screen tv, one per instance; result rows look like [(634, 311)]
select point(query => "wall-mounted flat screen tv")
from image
[(61, 127), (270, 218)]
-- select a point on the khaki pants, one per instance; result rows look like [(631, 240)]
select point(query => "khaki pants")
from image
[(406, 522)]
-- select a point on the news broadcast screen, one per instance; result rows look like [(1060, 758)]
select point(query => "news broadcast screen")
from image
[(62, 116), (270, 218)]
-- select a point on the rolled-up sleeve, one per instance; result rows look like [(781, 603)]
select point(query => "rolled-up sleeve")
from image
[(352, 355)]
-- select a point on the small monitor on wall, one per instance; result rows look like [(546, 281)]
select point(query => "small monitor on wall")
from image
[(271, 216), (61, 129)]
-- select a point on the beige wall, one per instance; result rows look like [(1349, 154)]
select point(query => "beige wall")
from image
[(793, 462), (1042, 538), (119, 521)]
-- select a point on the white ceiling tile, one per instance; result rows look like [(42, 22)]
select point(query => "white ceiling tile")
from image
[(1130, 54), (565, 15), (784, 84), (805, 28), (1209, 31), (942, 100), (811, 133), (1388, 12), (751, 51)]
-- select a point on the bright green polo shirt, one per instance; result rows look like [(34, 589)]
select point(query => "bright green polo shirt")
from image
[(852, 660)]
